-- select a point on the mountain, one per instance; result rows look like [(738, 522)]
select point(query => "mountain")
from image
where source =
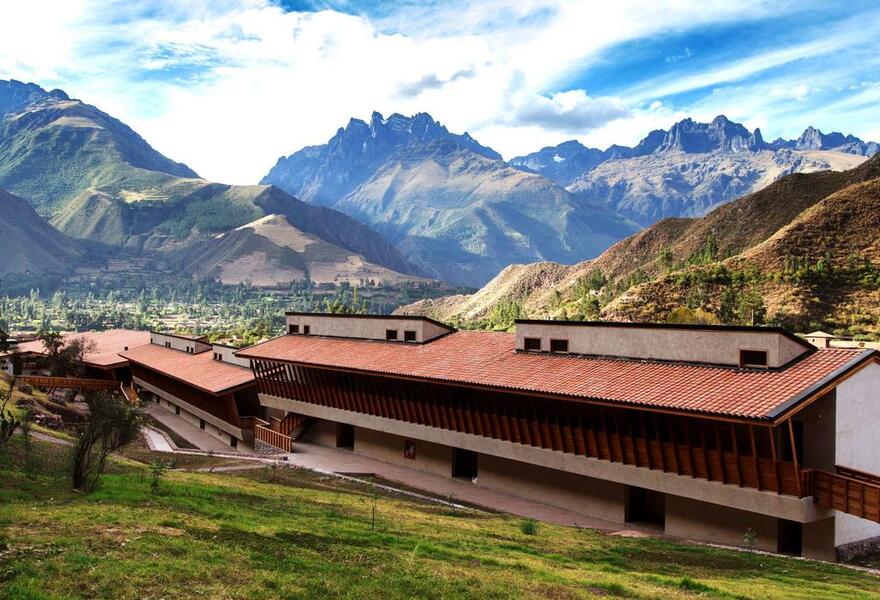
[(452, 206), (813, 139), (689, 169), (270, 251), (30, 246), (98, 180), (771, 242)]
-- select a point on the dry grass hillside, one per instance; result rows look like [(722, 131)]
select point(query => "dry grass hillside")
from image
[(803, 251)]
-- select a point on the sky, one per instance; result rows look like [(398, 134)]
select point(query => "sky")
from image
[(228, 86)]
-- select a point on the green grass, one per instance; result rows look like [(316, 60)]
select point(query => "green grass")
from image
[(292, 534)]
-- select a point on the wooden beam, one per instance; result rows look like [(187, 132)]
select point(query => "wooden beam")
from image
[(755, 456), (797, 471), (775, 459), (739, 476)]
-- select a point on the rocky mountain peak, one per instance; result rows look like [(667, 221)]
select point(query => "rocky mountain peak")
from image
[(720, 135), (16, 95)]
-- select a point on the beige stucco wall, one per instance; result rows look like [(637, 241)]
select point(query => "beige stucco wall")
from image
[(857, 415), (228, 355), (692, 519), (370, 328), (431, 458), (195, 412), (692, 345), (819, 421), (584, 495), (818, 541), (179, 343), (783, 506), (321, 432), (194, 420)]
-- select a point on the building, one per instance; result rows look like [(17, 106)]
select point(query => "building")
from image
[(705, 432), (821, 339), (206, 384), (102, 361)]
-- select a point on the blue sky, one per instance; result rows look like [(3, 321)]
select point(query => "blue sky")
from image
[(227, 86)]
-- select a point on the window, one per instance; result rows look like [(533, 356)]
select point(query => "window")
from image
[(558, 345), (753, 358), (409, 336), (391, 335), (532, 344), (306, 330), (167, 344), (293, 329), (233, 442), (409, 449)]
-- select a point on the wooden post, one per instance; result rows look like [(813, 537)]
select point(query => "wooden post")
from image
[(775, 459), (755, 456), (674, 445), (797, 471), (739, 476)]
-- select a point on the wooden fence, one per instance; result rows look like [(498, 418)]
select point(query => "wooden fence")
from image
[(273, 438), (73, 383)]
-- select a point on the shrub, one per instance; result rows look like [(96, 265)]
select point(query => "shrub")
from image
[(529, 526)]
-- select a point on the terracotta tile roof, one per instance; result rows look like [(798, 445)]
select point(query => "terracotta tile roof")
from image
[(108, 345), (489, 359), (198, 370)]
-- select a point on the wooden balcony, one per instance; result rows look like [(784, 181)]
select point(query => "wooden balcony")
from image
[(850, 491), (72, 383)]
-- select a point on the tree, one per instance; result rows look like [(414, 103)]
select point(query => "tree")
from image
[(8, 422), (65, 359), (751, 309), (112, 422)]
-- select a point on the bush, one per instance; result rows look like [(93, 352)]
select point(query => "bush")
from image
[(529, 526)]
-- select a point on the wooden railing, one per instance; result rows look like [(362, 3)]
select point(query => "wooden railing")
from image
[(73, 383), (273, 438), (250, 422), (860, 475), (847, 494)]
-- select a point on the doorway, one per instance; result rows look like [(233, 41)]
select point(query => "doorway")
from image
[(345, 436), (464, 464), (789, 537), (645, 506)]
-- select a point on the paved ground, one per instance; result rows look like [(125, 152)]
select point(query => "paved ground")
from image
[(335, 460), (198, 438)]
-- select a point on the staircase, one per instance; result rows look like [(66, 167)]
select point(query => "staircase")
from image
[(293, 425)]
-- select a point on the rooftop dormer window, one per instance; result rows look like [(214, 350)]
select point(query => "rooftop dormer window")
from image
[(293, 329), (559, 346), (409, 335), (753, 359), (391, 335), (532, 344)]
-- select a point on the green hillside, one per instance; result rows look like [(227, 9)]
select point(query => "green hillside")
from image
[(96, 179), (280, 533)]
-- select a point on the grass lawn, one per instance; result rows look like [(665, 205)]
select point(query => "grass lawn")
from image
[(280, 533)]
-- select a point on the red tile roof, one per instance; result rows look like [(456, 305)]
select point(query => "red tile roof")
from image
[(490, 359), (108, 345), (198, 370)]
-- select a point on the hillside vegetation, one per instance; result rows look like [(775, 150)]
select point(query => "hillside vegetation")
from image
[(280, 533), (802, 252)]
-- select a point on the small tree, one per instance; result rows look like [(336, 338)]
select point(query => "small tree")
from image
[(8, 422), (111, 423), (158, 468)]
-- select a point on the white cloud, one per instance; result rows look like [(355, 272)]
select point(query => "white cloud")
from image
[(227, 86)]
